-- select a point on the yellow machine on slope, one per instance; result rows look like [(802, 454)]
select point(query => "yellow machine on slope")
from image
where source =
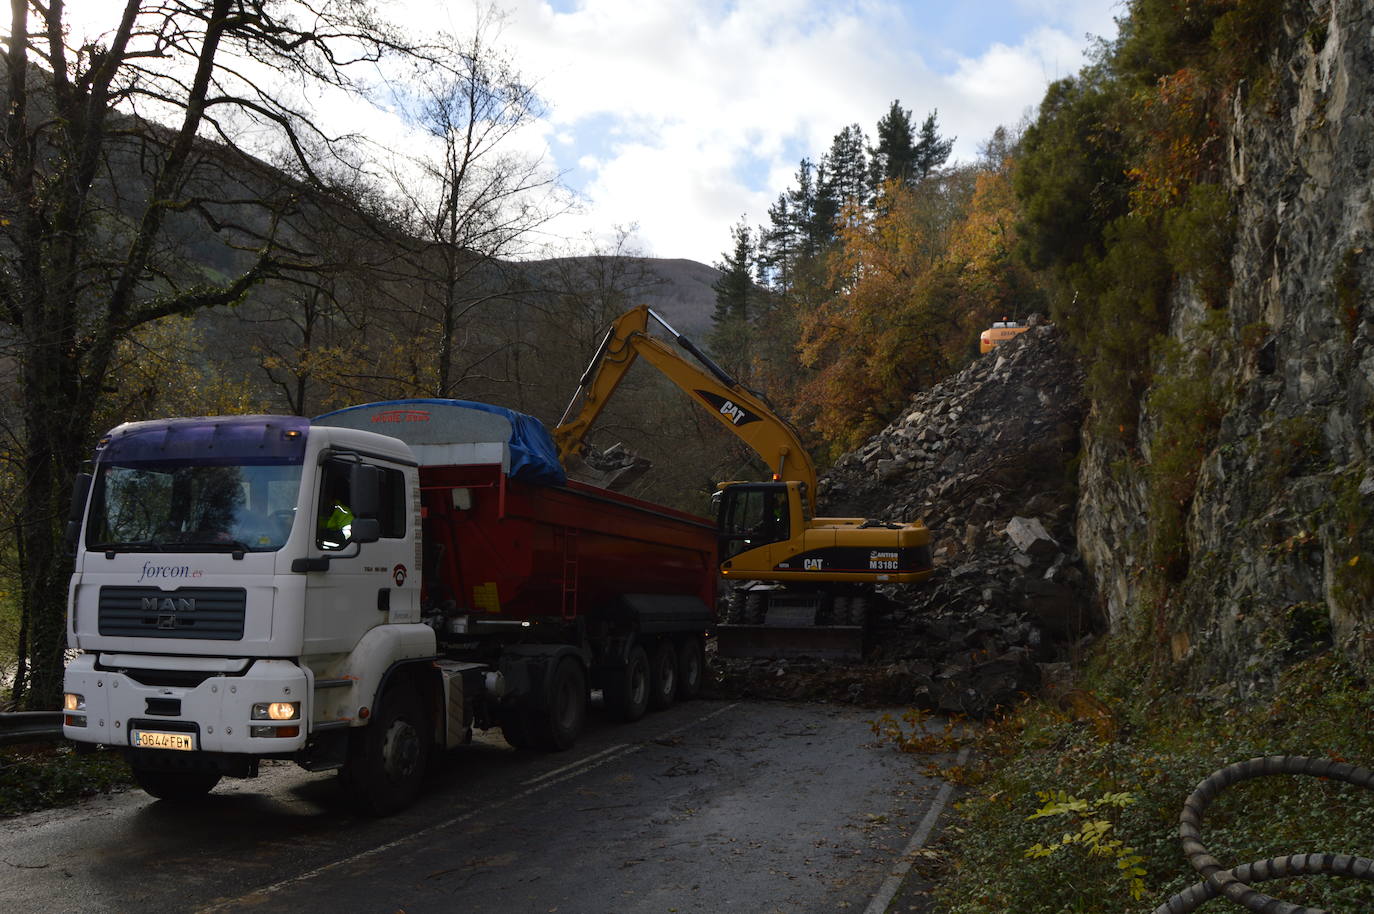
[(802, 581)]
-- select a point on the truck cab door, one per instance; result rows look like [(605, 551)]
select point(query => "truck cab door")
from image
[(364, 531)]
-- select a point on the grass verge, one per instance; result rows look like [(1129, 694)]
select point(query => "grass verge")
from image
[(43, 775), (1074, 805)]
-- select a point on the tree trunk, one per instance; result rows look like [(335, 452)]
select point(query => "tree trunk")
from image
[(55, 422)]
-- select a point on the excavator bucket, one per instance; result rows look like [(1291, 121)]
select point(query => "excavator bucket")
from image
[(780, 624)]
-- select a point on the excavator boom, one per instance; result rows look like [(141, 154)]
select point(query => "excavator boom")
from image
[(736, 407), (801, 583)]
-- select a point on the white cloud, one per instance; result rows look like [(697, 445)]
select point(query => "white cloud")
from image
[(681, 115), (706, 107)]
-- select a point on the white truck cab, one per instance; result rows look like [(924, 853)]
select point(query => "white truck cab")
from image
[(243, 588)]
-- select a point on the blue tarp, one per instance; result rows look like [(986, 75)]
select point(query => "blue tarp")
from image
[(435, 422)]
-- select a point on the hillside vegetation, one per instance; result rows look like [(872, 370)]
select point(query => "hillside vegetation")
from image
[(1192, 210)]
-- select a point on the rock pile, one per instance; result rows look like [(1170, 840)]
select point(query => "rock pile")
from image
[(985, 459)]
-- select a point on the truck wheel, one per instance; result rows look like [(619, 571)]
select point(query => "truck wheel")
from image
[(515, 727), (627, 692), (663, 675), (559, 727), (691, 668), (387, 763), (176, 786)]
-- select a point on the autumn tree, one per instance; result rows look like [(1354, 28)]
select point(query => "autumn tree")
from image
[(915, 279), (993, 280), (128, 196)]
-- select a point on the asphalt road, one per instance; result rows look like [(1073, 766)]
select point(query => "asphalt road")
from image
[(705, 807)]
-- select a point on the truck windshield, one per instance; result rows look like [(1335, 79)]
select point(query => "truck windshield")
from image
[(187, 506)]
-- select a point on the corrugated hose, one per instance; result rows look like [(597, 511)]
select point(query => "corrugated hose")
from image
[(1234, 883)]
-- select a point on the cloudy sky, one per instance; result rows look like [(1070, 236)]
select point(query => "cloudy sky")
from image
[(681, 116)]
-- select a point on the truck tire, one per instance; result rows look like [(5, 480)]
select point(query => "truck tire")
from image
[(559, 727), (663, 675), (176, 786), (691, 668), (627, 691), (517, 728), (388, 757)]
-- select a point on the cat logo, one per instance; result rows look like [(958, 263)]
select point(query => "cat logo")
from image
[(731, 410), (813, 564)]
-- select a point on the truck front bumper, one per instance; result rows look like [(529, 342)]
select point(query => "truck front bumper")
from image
[(115, 704)]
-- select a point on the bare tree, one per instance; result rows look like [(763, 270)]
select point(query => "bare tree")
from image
[(472, 200), (128, 193)]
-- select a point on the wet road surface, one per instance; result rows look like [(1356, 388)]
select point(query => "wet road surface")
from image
[(704, 807)]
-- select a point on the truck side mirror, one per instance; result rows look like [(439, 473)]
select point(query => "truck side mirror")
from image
[(365, 530), (365, 490), (81, 489)]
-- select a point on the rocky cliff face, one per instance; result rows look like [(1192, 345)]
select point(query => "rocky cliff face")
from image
[(1226, 554), (1278, 550)]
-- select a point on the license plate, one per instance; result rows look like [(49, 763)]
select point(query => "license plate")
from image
[(158, 739)]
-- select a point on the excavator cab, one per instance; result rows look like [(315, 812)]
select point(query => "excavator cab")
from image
[(753, 514)]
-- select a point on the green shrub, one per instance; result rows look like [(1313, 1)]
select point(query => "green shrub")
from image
[(55, 775), (1157, 750)]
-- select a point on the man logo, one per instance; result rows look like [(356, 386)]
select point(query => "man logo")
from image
[(169, 605)]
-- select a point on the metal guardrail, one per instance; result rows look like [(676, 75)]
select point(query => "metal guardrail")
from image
[(30, 727)]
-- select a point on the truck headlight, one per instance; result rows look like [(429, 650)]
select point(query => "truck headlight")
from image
[(73, 702), (276, 710)]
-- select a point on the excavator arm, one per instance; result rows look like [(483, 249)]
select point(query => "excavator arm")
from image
[(740, 410)]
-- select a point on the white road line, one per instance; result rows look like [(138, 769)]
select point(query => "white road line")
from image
[(894, 879), (543, 782), (577, 764)]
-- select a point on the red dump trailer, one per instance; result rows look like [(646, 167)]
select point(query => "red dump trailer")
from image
[(512, 550), (556, 586)]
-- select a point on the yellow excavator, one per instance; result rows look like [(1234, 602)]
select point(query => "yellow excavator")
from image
[(801, 583)]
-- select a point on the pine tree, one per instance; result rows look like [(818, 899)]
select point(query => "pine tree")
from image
[(778, 245), (825, 211), (738, 301), (931, 151), (735, 287), (894, 158), (803, 200), (847, 176)]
